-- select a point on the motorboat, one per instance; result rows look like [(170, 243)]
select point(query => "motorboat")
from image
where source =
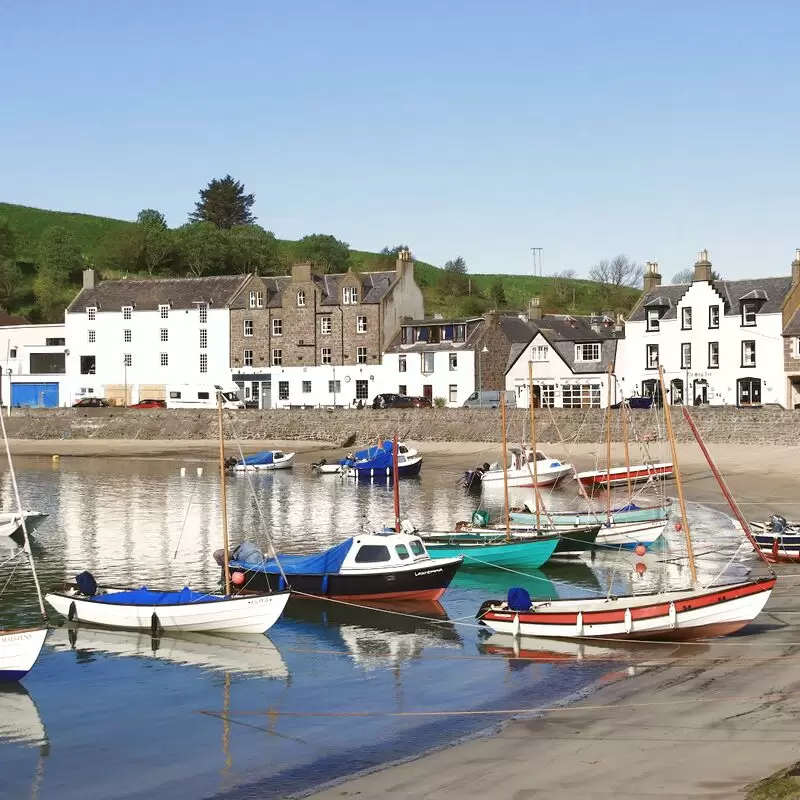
[(263, 461), (19, 649), (376, 462), (580, 517), (325, 467), (11, 522), (777, 539), (622, 476), (549, 471)]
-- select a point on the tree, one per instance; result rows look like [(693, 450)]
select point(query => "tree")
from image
[(252, 249), (201, 247), (457, 265), (687, 275), (58, 260), (121, 251), (324, 251), (224, 204), (158, 249), (150, 218), (619, 271), (10, 283), (498, 292), (393, 251), (8, 242)]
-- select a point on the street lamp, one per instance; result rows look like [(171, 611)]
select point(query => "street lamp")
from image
[(480, 376)]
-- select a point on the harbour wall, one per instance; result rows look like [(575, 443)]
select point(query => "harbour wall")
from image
[(753, 427)]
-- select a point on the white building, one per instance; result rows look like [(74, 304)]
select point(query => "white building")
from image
[(719, 341), (569, 356), (127, 339), (32, 364)]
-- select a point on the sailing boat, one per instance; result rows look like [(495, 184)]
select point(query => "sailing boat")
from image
[(20, 647), (693, 613), (184, 610)]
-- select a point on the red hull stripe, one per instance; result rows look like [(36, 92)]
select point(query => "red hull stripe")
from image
[(423, 594), (545, 617), (621, 476)]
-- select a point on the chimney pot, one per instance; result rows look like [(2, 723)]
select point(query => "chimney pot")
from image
[(652, 277), (702, 267), (88, 278)]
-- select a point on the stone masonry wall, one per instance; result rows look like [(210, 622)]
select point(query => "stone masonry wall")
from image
[(748, 427)]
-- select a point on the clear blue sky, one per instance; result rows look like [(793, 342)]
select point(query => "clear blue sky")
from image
[(472, 128)]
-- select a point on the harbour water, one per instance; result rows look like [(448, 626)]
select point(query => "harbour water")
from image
[(332, 690)]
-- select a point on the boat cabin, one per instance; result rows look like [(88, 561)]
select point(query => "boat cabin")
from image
[(371, 551)]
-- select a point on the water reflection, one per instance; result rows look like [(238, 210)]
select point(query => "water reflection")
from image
[(20, 721)]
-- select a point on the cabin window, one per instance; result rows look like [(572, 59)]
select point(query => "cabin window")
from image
[(402, 551), (372, 553), (203, 396), (417, 547)]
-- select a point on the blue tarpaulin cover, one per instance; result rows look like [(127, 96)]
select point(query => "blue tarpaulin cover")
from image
[(375, 457), (327, 563), (629, 507), (151, 597), (257, 459)]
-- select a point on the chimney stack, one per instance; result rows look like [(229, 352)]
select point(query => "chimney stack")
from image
[(619, 325), (796, 268), (652, 277), (301, 273), (405, 263), (534, 309), (88, 278), (702, 267)]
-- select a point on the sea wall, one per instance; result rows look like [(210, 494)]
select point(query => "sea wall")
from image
[(762, 426)]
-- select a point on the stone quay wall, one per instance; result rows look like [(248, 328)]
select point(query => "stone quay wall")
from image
[(753, 427)]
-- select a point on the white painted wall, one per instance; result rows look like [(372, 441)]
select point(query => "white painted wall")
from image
[(145, 348), (17, 342), (441, 379), (730, 335)]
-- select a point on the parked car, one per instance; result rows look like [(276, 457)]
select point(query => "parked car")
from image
[(636, 402), (489, 399), (421, 402), (390, 400), (92, 402), (150, 404)]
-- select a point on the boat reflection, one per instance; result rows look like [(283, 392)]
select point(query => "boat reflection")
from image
[(251, 654), (20, 722)]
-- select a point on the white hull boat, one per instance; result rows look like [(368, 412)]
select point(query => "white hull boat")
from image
[(11, 522), (20, 722), (156, 611), (622, 476), (549, 471), (264, 462), (19, 650)]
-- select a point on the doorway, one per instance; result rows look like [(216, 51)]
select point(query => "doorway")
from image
[(676, 395), (700, 392), (427, 391), (748, 392)]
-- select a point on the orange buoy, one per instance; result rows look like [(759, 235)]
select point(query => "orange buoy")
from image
[(641, 568), (237, 578), (640, 550), (678, 526)]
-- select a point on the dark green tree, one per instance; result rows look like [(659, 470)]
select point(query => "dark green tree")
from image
[(393, 251), (252, 249), (121, 251), (324, 251), (498, 292), (58, 261), (201, 248), (457, 265), (10, 273), (8, 242), (224, 204), (150, 218)]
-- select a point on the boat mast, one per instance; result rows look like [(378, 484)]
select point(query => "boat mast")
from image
[(625, 410), (505, 465), (676, 467), (396, 481), (608, 445), (223, 497), (26, 538), (533, 444)]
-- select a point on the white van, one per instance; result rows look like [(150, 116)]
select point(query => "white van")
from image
[(203, 395), (490, 399)]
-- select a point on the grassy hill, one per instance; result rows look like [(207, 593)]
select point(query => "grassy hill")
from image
[(558, 295)]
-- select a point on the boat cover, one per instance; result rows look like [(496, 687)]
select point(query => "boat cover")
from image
[(152, 597), (629, 507), (328, 562), (375, 457), (259, 459)]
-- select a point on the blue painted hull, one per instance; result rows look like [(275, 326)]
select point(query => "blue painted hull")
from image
[(365, 472), (13, 674), (477, 553), (580, 518)]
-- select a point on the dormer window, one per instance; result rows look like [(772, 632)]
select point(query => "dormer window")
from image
[(301, 299), (127, 312), (587, 352), (407, 335), (653, 319), (749, 314), (459, 333), (686, 319), (350, 295)]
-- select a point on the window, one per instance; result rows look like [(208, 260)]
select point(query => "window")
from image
[(713, 316), (91, 313), (247, 358), (401, 363), (748, 391), (361, 324), (653, 319), (248, 327), (259, 299), (334, 387), (587, 352), (407, 335), (90, 336), (402, 551), (127, 359), (362, 390), (581, 396), (539, 352), (12, 353), (325, 325), (126, 335), (88, 365), (203, 338), (54, 342), (713, 355), (163, 310), (748, 353), (652, 356), (203, 309), (427, 363), (127, 312), (306, 387), (252, 299), (48, 364), (203, 362), (417, 548), (361, 355), (174, 395), (686, 319), (203, 396), (277, 327), (372, 553), (164, 359), (283, 390), (277, 358), (459, 333), (547, 395), (686, 356), (164, 335), (453, 361), (748, 315), (453, 393), (402, 389), (350, 295), (797, 347), (301, 298), (325, 355)]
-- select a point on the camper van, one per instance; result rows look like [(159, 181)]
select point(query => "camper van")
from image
[(203, 395)]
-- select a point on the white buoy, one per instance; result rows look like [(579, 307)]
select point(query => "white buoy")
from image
[(183, 471), (199, 470)]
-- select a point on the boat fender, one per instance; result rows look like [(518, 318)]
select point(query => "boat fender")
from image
[(324, 586), (281, 584), (628, 621), (579, 624), (515, 626), (673, 615), (72, 615), (155, 625)]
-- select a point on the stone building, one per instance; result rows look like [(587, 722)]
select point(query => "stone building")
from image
[(791, 335)]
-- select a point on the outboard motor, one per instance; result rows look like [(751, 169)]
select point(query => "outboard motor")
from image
[(778, 523), (86, 583)]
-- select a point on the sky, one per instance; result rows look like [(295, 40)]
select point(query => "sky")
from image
[(457, 127)]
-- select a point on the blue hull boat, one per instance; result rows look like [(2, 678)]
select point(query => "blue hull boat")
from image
[(478, 552), (376, 462)]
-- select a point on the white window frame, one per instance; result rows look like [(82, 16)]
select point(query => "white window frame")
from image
[(127, 312), (452, 360), (361, 355), (713, 363), (163, 311), (653, 320), (277, 327), (277, 357), (247, 325), (749, 315), (350, 295), (650, 363), (745, 361), (247, 358), (306, 387), (326, 325), (252, 303), (453, 393), (259, 299), (797, 346), (326, 355), (283, 390), (540, 352), (361, 324), (713, 317), (127, 360), (301, 299), (424, 363), (686, 318), (579, 353), (686, 355)]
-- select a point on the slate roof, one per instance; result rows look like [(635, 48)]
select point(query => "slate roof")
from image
[(475, 327), (771, 291), (374, 286), (148, 294)]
